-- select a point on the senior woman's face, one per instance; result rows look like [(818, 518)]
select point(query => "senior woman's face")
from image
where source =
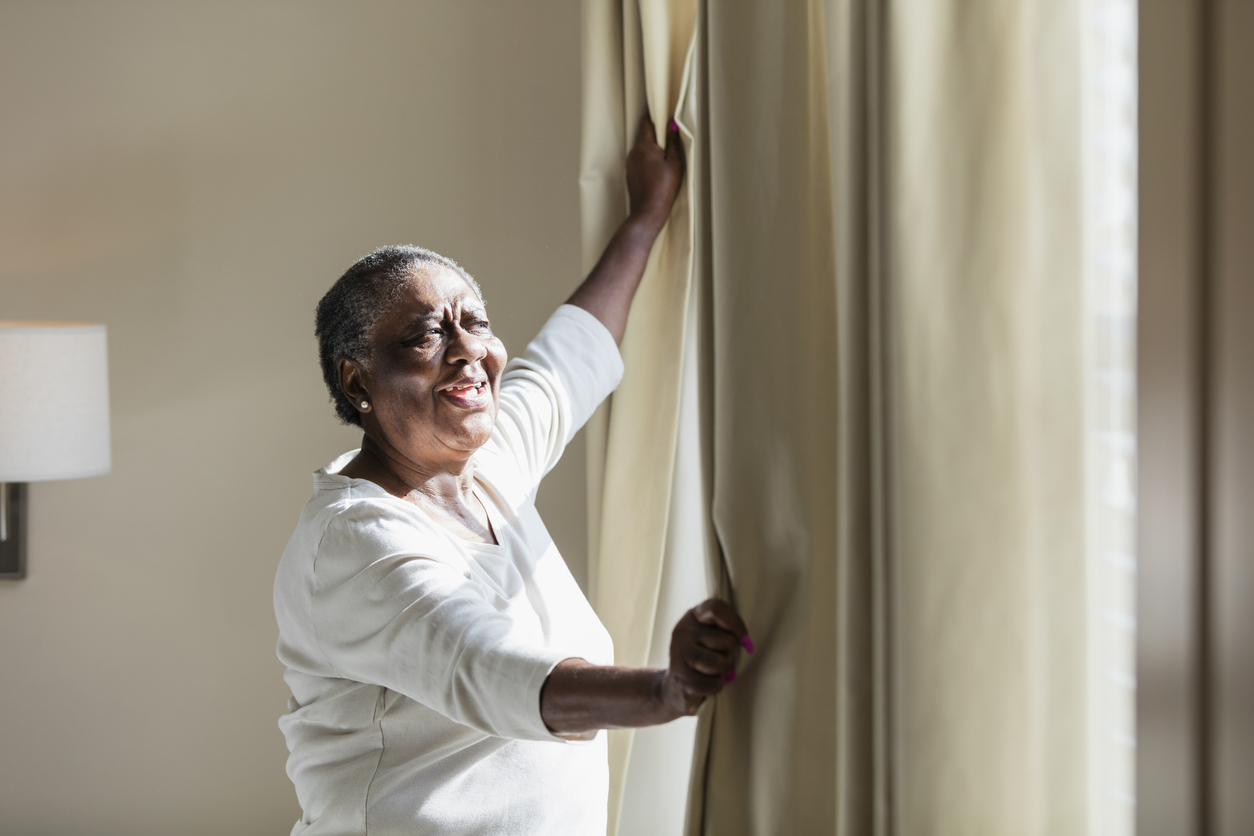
[(435, 370)]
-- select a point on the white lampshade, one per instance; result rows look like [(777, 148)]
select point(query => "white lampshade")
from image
[(54, 401)]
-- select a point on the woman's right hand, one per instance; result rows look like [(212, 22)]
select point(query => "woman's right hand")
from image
[(704, 647)]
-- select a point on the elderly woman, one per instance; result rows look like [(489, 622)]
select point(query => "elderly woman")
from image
[(442, 661)]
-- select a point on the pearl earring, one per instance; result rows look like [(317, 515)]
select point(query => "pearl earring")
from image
[(365, 404)]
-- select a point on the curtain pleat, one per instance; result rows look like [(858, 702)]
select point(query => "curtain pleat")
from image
[(774, 369), (884, 209), (634, 57), (987, 416), (896, 354)]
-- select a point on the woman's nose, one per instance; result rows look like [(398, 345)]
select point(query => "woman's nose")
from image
[(465, 346)]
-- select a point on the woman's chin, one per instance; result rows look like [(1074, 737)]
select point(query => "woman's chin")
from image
[(471, 432)]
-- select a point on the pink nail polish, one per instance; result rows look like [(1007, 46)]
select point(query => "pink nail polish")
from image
[(674, 125), (730, 676), (747, 642)]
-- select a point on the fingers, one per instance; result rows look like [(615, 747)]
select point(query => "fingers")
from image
[(703, 686), (708, 662), (696, 674), (674, 144), (645, 132), (647, 135), (704, 648), (716, 613), (715, 639)]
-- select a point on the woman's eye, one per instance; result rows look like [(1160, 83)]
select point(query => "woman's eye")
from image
[(426, 337)]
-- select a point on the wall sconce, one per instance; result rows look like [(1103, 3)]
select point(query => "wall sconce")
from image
[(54, 418)]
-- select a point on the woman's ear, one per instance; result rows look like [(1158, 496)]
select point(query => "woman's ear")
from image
[(352, 382)]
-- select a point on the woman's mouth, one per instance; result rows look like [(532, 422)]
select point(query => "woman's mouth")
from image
[(468, 395)]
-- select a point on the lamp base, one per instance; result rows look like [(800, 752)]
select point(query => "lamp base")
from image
[(13, 530)]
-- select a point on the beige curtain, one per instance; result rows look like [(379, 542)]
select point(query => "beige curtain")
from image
[(886, 208), (634, 59)]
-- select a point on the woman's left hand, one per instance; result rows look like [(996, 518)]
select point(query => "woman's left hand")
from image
[(578, 698), (653, 177), (704, 648)]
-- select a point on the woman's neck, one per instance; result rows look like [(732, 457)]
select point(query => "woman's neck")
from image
[(452, 482), (446, 495)]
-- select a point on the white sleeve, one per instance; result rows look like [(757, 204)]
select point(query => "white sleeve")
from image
[(386, 614), (552, 389)]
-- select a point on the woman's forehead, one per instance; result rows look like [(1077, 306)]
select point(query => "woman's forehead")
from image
[(434, 288)]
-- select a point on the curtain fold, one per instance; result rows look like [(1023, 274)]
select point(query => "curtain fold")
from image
[(634, 57), (898, 474), (987, 416), (885, 209), (769, 273)]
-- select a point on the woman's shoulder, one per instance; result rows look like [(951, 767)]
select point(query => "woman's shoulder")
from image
[(356, 520), (344, 500), (361, 533), (374, 517)]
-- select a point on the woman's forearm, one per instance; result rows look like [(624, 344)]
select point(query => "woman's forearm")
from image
[(579, 698), (610, 287)]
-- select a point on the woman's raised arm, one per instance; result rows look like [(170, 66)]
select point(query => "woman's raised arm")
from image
[(653, 177)]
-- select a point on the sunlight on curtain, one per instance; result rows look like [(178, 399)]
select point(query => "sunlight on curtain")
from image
[(655, 790), (1110, 298), (646, 524)]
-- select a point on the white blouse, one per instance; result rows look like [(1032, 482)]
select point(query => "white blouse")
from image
[(416, 659)]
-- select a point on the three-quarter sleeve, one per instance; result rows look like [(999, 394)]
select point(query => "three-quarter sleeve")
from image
[(387, 613), (552, 389)]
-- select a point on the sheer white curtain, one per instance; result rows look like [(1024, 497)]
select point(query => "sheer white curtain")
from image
[(1110, 198)]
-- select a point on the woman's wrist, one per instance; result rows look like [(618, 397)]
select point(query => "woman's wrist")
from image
[(647, 221), (665, 710)]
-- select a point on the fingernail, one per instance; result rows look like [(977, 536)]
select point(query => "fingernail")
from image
[(730, 676), (747, 642), (674, 125)]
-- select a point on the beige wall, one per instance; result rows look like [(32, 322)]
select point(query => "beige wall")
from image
[(195, 176)]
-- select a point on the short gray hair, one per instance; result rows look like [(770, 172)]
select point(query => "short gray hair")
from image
[(349, 310)]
